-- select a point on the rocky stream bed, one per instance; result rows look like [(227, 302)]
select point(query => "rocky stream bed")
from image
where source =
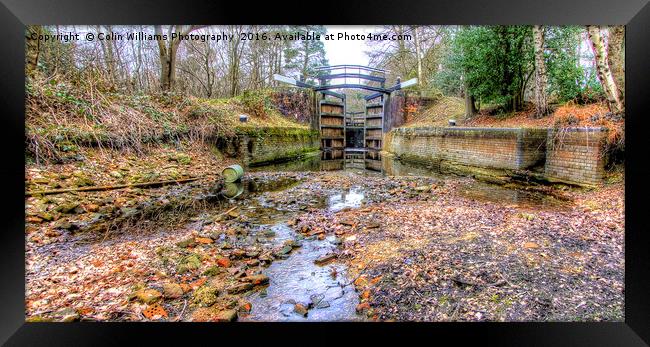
[(347, 245)]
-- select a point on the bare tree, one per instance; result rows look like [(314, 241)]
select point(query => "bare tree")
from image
[(168, 51)]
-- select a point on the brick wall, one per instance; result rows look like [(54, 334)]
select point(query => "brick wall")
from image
[(510, 149), (575, 155)]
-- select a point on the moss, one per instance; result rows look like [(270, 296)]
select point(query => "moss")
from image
[(253, 131), (38, 319), (213, 271), (205, 296), (188, 263)]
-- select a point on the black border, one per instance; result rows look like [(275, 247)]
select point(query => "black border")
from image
[(14, 14)]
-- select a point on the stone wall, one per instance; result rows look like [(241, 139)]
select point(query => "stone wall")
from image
[(257, 146), (576, 155)]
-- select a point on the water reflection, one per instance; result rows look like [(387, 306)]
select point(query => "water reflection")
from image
[(372, 162), (352, 198)]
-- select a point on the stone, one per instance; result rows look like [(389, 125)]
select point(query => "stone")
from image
[(300, 309), (68, 315), (92, 207), (285, 250), (362, 307), (190, 262), (323, 304), (256, 279), (45, 216), (186, 243), (148, 296), (237, 254), (292, 244), (325, 259), (240, 288), (252, 254), (66, 225), (213, 271), (212, 314), (245, 307), (226, 316), (172, 290), (67, 208), (531, 245), (253, 262), (372, 225), (205, 296), (223, 262)]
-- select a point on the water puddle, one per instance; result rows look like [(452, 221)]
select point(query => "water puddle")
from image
[(508, 196), (325, 290), (350, 199), (373, 163)]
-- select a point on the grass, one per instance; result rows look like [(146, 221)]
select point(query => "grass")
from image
[(437, 114)]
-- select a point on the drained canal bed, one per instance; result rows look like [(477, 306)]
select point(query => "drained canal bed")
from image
[(309, 285), (317, 243)]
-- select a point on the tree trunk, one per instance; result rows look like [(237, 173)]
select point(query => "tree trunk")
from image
[(616, 58), (541, 104), (470, 101), (33, 49), (602, 67), (165, 83), (168, 54), (418, 54), (470, 105)]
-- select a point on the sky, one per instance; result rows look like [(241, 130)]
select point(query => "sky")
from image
[(346, 51)]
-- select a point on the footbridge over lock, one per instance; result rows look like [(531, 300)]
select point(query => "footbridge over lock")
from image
[(343, 130)]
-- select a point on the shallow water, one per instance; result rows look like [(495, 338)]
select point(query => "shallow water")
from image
[(373, 163), (325, 289)]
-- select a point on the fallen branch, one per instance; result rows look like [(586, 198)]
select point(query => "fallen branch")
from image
[(103, 188)]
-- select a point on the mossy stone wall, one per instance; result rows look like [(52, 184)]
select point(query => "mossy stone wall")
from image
[(257, 146)]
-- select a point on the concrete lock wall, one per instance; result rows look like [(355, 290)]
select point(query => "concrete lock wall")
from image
[(267, 145), (573, 155)]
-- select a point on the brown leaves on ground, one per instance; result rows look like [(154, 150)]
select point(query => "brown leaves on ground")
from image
[(461, 259)]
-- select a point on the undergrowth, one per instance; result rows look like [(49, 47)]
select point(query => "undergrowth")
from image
[(62, 115)]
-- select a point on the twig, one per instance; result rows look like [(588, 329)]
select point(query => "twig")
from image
[(182, 311), (102, 188)]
